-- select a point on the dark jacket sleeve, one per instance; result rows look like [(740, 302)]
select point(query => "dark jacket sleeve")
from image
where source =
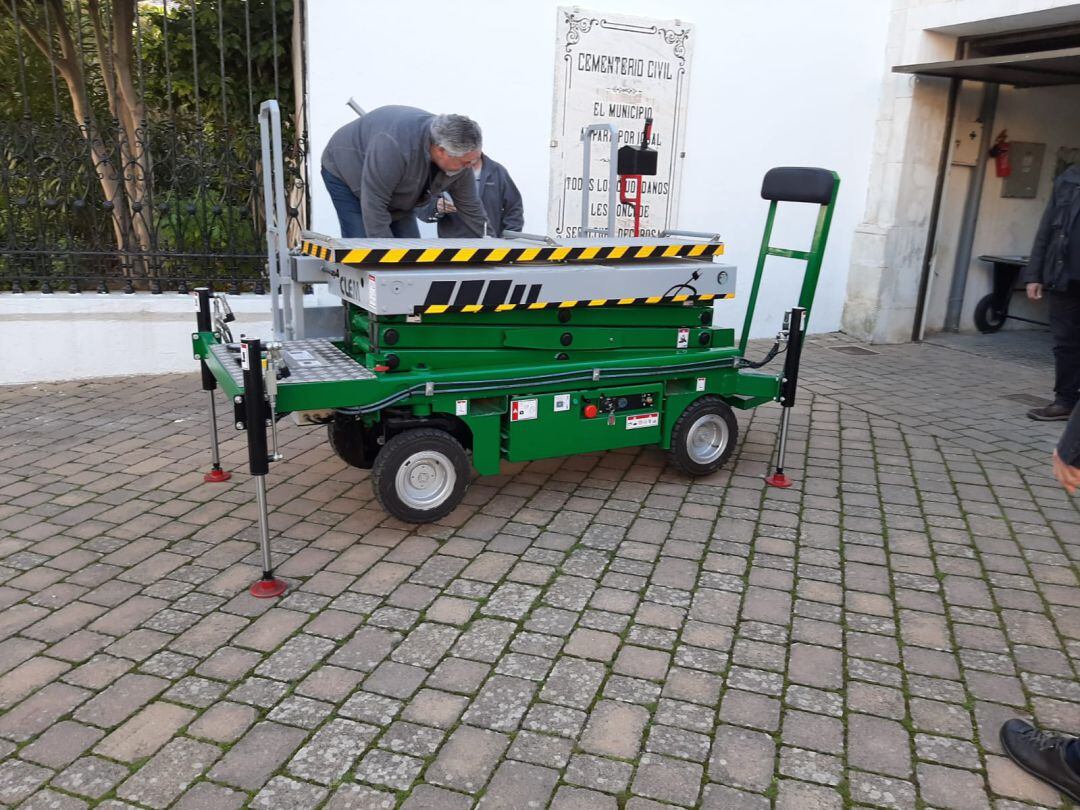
[(384, 166), (1033, 273), (513, 213), (467, 204), (1069, 445), (428, 212)]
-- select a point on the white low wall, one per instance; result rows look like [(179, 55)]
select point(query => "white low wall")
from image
[(67, 337)]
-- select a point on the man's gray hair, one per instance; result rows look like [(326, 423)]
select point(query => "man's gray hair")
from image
[(457, 134)]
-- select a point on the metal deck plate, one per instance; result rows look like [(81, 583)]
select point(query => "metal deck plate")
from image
[(309, 360)]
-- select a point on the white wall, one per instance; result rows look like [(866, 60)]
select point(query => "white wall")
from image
[(72, 337), (780, 83)]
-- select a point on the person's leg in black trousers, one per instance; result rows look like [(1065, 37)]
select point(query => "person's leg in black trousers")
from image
[(1065, 325)]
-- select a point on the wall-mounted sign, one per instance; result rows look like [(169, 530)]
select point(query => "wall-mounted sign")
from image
[(617, 69)]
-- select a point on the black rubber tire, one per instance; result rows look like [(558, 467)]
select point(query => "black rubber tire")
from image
[(353, 445), (679, 455), (986, 320), (397, 452)]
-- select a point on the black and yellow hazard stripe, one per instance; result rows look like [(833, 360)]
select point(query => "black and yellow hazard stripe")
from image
[(511, 255), (438, 309)]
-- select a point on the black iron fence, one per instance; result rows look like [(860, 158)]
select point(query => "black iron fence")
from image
[(129, 141)]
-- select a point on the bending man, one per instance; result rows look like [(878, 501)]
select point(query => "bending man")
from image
[(384, 164)]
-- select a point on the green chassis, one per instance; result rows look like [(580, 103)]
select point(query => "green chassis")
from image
[(673, 378)]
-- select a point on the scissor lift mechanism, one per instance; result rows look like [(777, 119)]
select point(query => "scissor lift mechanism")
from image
[(462, 353)]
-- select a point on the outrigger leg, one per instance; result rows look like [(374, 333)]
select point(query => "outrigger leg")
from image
[(209, 384), (787, 393), (256, 415)]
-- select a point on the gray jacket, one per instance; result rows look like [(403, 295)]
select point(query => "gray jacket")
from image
[(1049, 263), (384, 158), (499, 196)]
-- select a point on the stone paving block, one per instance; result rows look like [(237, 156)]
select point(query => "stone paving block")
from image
[(951, 788), (667, 779), (19, 780), (881, 791), (223, 722), (365, 649), (742, 758), (145, 733), (258, 754), (51, 800), (121, 700), (92, 777), (541, 749), (501, 703), (517, 785), (614, 729), (427, 797), (435, 708), (878, 745), (467, 759), (361, 797), (168, 773), (39, 711), (572, 798), (389, 769), (573, 682), (282, 793), (29, 677), (597, 773), (802, 796), (271, 629), (204, 795), (61, 744)]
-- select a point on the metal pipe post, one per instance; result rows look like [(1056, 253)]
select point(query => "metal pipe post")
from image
[(788, 387), (255, 416), (209, 384)]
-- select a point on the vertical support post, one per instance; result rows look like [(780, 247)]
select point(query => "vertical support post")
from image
[(255, 416), (209, 384), (613, 176), (788, 386)]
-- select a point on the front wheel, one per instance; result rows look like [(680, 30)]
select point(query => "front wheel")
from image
[(988, 319), (421, 475), (704, 436)]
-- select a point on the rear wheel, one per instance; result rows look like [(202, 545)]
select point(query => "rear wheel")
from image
[(353, 444), (704, 436), (421, 475)]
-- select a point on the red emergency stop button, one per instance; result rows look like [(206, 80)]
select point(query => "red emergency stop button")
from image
[(591, 411)]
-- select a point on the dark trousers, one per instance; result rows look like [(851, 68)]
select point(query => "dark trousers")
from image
[(351, 217), (1064, 307)]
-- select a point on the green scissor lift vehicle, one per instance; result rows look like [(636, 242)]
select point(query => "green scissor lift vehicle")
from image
[(459, 354)]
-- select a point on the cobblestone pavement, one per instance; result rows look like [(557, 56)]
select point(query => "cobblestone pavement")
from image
[(592, 632)]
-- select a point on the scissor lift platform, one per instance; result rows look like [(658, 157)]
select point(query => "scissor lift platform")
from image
[(458, 354)]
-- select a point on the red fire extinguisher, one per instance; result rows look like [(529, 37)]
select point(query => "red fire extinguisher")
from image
[(1000, 153)]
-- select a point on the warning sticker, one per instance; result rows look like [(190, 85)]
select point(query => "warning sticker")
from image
[(683, 340), (461, 407), (642, 420), (373, 301), (700, 383), (522, 409), (562, 402)]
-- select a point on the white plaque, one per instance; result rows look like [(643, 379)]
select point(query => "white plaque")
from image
[(617, 69)]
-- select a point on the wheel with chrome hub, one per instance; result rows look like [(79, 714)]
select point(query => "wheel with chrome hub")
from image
[(704, 436), (421, 475)]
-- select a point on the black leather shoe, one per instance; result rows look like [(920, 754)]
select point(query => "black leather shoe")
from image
[(1054, 412), (1042, 755)]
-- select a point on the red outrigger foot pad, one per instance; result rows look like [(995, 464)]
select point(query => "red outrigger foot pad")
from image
[(778, 479), (268, 588), (216, 476)]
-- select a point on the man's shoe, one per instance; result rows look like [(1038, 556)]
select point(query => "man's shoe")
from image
[(1042, 755), (1054, 412)]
